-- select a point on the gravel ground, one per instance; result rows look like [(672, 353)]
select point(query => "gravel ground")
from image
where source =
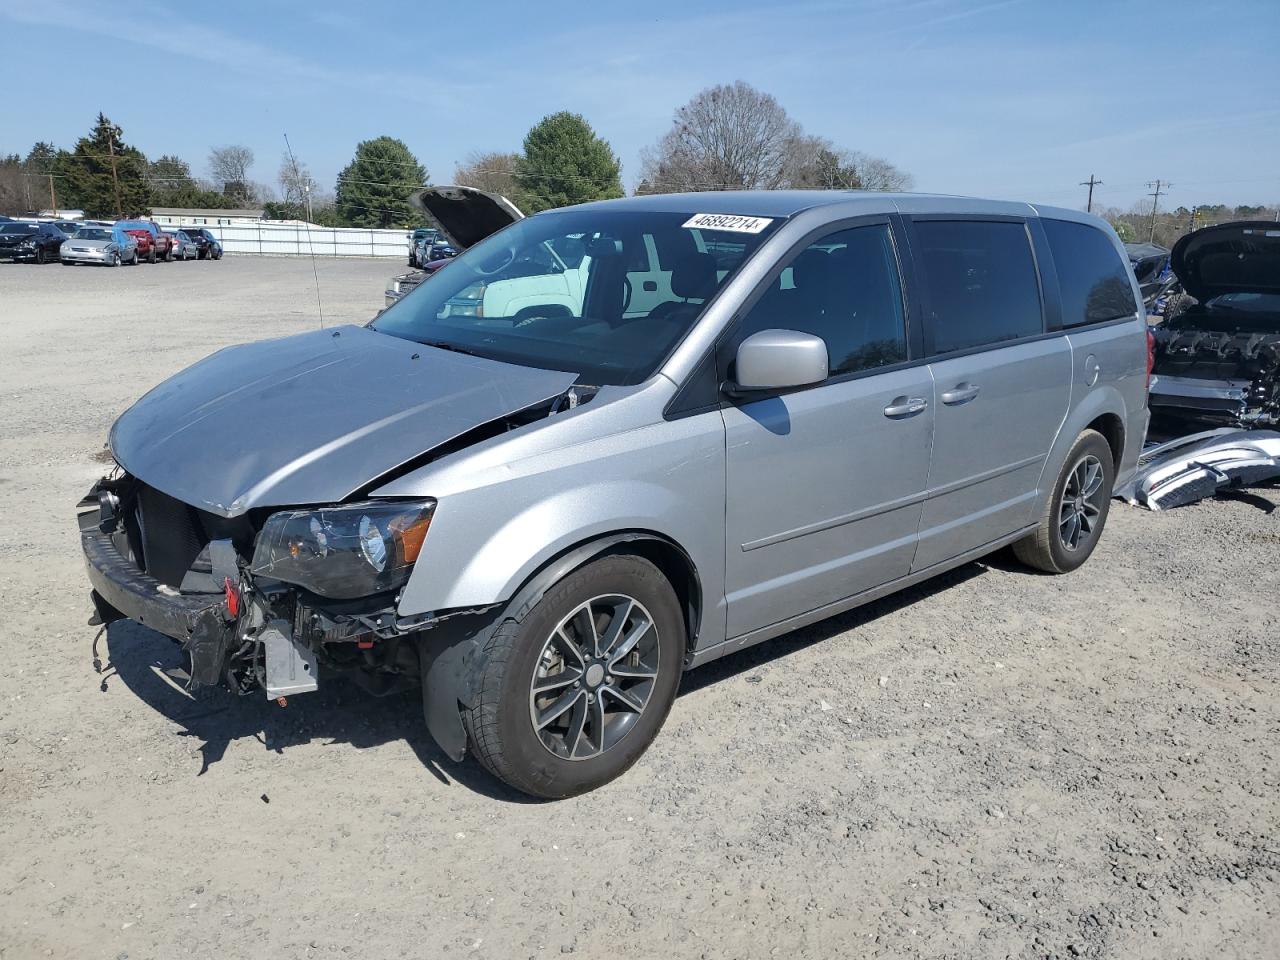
[(998, 764)]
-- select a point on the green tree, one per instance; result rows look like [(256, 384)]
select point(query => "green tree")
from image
[(564, 163), (373, 189), (103, 176), (172, 185)]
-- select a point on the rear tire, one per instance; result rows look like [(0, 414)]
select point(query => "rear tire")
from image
[(1074, 513), (614, 708)]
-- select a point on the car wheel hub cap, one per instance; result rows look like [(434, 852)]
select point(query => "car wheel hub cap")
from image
[(594, 678), (1082, 502)]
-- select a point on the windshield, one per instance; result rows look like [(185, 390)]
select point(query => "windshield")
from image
[(92, 233), (603, 294), (18, 228)]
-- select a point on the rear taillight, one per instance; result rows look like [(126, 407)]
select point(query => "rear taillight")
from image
[(1151, 355)]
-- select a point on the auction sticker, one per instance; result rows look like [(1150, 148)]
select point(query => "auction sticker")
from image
[(727, 222)]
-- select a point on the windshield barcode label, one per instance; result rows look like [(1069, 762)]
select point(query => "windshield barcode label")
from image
[(727, 222)]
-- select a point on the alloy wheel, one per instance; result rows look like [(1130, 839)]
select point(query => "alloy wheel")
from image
[(1081, 502), (594, 677)]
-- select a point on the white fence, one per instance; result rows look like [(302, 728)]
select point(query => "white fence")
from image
[(296, 238)]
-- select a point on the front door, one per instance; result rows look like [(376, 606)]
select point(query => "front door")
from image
[(825, 484)]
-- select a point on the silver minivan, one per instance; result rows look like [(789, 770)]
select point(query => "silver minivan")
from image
[(616, 441)]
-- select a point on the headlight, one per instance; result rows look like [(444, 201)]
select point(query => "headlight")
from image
[(26, 245), (344, 552)]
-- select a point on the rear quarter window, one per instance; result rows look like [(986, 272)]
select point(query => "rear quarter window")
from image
[(981, 282), (1093, 279)]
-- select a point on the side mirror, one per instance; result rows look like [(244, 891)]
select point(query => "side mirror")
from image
[(778, 360)]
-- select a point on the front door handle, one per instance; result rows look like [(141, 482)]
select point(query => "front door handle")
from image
[(960, 393), (903, 407)]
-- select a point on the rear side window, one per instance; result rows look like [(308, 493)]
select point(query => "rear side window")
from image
[(1093, 280), (843, 288), (981, 282)]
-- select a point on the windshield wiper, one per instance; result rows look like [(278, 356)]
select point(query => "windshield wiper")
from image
[(445, 345)]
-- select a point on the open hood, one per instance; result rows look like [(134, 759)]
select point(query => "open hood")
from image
[(466, 215), (1239, 257), (312, 418)]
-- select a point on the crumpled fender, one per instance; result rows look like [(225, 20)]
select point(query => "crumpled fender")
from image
[(451, 654)]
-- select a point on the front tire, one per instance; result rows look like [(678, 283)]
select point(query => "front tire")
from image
[(151, 255), (570, 696), (1073, 515), (115, 259), (40, 256)]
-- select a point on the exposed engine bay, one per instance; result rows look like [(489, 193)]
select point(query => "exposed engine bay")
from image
[(1215, 369), (1218, 362)]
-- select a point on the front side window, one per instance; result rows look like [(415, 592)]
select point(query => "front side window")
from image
[(1092, 278), (603, 294), (845, 289), (981, 282)]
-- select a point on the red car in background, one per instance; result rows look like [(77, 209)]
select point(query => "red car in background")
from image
[(153, 243)]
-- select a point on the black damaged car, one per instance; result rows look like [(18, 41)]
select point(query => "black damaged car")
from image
[(1218, 362), (38, 242)]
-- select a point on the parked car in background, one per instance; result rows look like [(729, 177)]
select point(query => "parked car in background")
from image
[(471, 214), (1156, 279), (153, 243), (1217, 363), (26, 240), (207, 245), (399, 286), (104, 246), (754, 412), (184, 248), (68, 227), (417, 238)]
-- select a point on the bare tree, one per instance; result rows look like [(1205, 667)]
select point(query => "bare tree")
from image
[(493, 172), (877, 173), (229, 167), (296, 182), (738, 138), (726, 138)]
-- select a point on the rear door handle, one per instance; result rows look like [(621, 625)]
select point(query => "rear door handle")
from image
[(903, 407), (960, 393)]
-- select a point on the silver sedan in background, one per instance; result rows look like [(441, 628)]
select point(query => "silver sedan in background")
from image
[(184, 248), (103, 246)]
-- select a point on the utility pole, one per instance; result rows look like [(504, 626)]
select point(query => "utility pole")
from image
[(1090, 183), (53, 197), (115, 178), (1160, 185)]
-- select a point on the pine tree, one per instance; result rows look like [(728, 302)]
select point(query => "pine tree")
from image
[(373, 189), (564, 163), (103, 176)]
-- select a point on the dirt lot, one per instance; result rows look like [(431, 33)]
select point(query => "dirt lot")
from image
[(999, 764)]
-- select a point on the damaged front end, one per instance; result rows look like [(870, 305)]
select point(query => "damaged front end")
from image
[(259, 605), (1216, 376)]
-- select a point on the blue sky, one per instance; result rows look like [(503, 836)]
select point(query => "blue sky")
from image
[(1002, 98)]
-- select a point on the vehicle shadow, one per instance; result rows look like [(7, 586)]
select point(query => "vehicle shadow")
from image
[(339, 712), (733, 664)]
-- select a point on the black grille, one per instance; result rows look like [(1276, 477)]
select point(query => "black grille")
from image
[(171, 534)]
